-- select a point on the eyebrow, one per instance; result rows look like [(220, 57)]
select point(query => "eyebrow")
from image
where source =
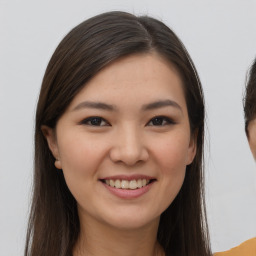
[(96, 105), (108, 107), (161, 104)]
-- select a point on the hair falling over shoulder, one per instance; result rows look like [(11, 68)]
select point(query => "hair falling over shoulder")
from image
[(54, 223)]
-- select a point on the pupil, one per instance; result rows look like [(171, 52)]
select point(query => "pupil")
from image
[(158, 121), (95, 121)]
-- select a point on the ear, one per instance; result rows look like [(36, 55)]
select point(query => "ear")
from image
[(192, 148), (50, 136)]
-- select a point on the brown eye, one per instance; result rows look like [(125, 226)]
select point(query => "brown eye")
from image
[(95, 121), (160, 121)]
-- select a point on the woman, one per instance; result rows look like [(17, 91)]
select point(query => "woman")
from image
[(248, 248), (119, 144)]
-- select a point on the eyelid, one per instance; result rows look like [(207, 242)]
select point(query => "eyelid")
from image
[(166, 121), (169, 121), (89, 119)]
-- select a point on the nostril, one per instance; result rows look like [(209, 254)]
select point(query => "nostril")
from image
[(128, 156)]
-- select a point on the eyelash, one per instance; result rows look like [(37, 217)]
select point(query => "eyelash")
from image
[(162, 119), (97, 119), (159, 121)]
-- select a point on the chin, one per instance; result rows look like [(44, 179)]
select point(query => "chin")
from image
[(131, 225), (132, 221)]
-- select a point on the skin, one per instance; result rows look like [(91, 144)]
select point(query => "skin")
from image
[(252, 137), (128, 140)]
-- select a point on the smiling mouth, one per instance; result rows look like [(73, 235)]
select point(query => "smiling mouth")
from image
[(127, 184)]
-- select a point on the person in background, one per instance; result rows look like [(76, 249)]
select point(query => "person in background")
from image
[(248, 248), (250, 109)]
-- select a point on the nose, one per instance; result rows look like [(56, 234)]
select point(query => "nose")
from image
[(129, 147)]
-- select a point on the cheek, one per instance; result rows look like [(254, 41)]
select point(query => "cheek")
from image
[(252, 143), (172, 159), (172, 153), (80, 158), (173, 167), (252, 137)]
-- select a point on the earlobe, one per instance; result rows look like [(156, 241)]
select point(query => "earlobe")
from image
[(52, 144), (192, 148), (58, 164)]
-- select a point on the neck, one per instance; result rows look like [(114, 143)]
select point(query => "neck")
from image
[(100, 239)]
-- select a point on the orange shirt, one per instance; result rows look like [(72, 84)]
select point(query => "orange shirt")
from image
[(247, 248)]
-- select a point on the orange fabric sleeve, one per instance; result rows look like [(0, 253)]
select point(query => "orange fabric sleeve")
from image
[(247, 248)]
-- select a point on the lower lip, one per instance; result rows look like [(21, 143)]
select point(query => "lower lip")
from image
[(129, 193)]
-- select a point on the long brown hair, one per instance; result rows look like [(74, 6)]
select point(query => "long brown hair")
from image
[(250, 97), (54, 224)]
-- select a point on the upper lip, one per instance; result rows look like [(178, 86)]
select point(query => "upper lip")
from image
[(128, 177)]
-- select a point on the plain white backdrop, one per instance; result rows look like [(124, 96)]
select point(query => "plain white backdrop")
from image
[(221, 39)]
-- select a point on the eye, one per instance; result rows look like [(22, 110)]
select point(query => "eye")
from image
[(160, 121), (95, 121)]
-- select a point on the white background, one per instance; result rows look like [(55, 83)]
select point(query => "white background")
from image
[(221, 38)]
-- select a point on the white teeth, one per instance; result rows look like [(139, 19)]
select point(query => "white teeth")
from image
[(133, 184), (139, 183), (117, 184), (126, 184), (111, 183)]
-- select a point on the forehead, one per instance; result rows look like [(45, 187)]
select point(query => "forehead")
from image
[(136, 77)]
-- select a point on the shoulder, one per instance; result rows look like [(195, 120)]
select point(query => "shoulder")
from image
[(247, 248)]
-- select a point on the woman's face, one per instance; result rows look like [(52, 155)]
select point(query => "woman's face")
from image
[(124, 142), (252, 137)]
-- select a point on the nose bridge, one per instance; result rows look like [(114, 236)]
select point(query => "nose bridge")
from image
[(129, 146)]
